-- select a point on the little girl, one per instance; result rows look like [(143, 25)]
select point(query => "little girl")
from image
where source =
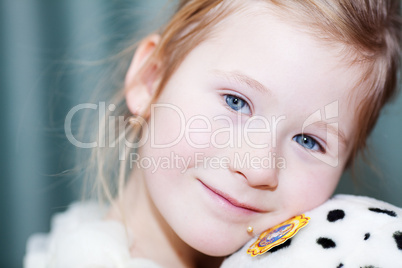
[(238, 116)]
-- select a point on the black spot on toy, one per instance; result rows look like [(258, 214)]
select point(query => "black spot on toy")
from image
[(326, 242), (335, 215), (366, 236), (398, 239), (340, 265), (281, 246), (385, 211)]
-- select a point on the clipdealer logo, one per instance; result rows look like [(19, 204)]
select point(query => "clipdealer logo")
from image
[(327, 117)]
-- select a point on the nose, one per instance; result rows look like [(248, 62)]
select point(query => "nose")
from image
[(254, 157), (259, 172)]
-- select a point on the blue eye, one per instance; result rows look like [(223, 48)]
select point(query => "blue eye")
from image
[(308, 143), (237, 104)]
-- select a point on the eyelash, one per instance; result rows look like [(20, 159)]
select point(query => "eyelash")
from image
[(321, 148)]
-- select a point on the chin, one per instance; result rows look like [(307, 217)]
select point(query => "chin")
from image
[(216, 243), (215, 250)]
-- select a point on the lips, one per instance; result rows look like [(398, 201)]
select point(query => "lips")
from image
[(231, 200)]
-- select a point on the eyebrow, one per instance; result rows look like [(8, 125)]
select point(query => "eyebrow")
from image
[(333, 130), (243, 79)]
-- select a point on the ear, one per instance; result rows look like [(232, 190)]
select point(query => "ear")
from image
[(140, 83)]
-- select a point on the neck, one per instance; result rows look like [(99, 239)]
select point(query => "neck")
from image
[(154, 239)]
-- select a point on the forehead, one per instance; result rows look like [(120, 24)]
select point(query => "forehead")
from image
[(279, 55)]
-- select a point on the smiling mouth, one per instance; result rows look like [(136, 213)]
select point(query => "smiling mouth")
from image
[(231, 200)]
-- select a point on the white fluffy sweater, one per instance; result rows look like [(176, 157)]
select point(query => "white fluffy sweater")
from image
[(80, 238)]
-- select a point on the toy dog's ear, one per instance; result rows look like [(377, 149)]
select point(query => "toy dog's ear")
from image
[(141, 78)]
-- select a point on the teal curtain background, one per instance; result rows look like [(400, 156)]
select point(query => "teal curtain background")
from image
[(43, 46), (49, 56)]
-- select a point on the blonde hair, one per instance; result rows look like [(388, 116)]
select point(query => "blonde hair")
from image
[(369, 28)]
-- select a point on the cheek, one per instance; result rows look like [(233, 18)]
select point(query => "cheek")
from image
[(312, 187), (198, 132), (166, 126)]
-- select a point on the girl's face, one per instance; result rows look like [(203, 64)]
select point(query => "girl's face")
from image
[(225, 146)]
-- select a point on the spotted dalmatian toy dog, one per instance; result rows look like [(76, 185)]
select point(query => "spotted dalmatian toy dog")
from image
[(345, 232)]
